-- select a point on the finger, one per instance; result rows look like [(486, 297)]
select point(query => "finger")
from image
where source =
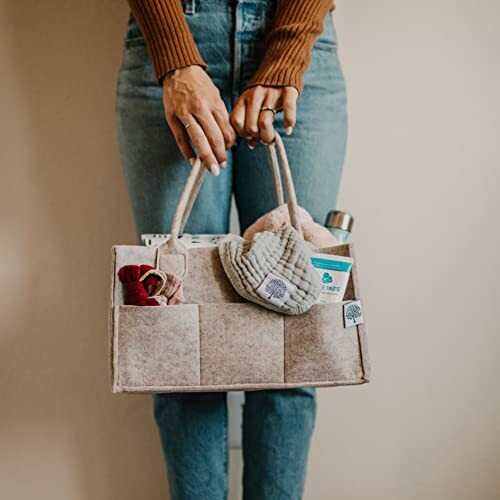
[(200, 142), (237, 117), (290, 96), (214, 135), (181, 138), (222, 118), (266, 120), (253, 104)]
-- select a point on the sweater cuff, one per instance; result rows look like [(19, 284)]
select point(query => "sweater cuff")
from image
[(282, 66), (168, 38), (289, 44)]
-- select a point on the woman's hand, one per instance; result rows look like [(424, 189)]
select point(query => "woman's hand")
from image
[(195, 110), (255, 124)]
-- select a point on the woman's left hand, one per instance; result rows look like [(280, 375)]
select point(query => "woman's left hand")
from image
[(256, 124)]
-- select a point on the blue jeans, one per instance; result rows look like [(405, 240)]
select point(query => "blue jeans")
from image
[(277, 424)]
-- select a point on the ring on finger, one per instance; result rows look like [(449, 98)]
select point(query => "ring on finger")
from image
[(268, 108), (188, 124)]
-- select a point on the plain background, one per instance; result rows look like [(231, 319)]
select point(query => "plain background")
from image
[(422, 177)]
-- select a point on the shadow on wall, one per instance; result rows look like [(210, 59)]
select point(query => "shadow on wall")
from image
[(61, 429)]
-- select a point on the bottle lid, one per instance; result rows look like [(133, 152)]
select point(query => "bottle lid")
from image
[(339, 220)]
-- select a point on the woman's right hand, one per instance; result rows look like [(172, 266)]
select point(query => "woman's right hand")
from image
[(194, 110)]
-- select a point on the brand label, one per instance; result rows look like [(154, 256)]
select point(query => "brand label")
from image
[(353, 313), (275, 289)]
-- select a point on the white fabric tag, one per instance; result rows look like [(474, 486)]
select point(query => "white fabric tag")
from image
[(275, 289), (353, 313)]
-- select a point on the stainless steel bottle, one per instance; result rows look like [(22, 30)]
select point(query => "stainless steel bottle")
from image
[(340, 225)]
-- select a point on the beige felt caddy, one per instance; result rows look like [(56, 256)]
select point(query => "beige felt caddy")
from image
[(218, 341)]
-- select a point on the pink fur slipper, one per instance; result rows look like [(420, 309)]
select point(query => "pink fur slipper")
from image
[(279, 218)]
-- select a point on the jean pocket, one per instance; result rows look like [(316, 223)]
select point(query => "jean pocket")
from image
[(134, 36), (327, 40), (325, 45)]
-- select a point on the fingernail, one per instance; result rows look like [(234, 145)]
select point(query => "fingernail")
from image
[(223, 164), (214, 169), (191, 160), (288, 130)]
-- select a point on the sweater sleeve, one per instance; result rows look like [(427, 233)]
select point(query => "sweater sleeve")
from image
[(169, 41), (296, 26)]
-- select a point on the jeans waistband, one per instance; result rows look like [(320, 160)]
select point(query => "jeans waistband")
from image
[(190, 6)]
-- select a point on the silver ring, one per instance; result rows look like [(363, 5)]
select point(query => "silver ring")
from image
[(187, 125), (268, 108)]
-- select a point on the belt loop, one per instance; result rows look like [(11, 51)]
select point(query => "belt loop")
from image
[(189, 7)]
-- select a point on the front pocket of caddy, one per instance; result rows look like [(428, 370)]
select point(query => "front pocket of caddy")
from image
[(240, 344), (156, 347)]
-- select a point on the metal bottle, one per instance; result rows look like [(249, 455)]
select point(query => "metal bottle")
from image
[(340, 225)]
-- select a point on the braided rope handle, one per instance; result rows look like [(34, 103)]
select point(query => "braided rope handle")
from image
[(276, 151)]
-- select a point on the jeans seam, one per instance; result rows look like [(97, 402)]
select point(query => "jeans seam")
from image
[(284, 346), (332, 22), (226, 458), (237, 52)]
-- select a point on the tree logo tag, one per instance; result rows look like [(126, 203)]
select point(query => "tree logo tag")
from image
[(275, 289), (353, 313)]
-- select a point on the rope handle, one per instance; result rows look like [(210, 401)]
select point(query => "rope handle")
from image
[(291, 196), (278, 161)]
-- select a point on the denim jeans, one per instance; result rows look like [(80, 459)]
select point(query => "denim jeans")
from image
[(230, 34)]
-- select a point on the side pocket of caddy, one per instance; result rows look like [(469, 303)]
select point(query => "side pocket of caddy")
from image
[(319, 348)]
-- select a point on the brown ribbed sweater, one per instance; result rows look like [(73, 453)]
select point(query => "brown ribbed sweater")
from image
[(296, 26)]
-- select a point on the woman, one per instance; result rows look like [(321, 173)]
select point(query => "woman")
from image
[(195, 75)]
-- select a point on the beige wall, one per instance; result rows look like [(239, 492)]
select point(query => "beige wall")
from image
[(422, 178)]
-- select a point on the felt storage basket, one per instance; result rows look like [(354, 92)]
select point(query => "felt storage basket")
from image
[(218, 341)]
